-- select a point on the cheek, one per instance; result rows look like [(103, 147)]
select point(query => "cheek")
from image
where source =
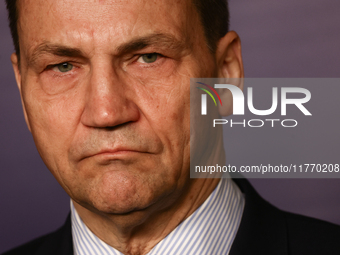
[(168, 109), (172, 126), (54, 121)]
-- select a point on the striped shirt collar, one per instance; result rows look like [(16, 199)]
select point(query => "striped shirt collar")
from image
[(211, 229)]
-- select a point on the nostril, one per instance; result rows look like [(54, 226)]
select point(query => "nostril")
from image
[(109, 112), (111, 128)]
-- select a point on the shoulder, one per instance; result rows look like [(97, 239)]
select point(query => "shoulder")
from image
[(57, 242), (265, 229), (311, 236), (30, 247)]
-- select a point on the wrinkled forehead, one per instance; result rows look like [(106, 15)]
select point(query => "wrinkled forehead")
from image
[(114, 7), (116, 21)]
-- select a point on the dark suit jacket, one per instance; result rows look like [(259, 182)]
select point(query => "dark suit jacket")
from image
[(264, 229)]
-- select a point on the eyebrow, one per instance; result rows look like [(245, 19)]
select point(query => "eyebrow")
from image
[(54, 49), (167, 41), (156, 39)]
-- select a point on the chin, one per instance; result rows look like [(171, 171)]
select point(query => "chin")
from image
[(122, 193)]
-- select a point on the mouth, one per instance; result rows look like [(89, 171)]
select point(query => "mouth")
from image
[(118, 152), (115, 154)]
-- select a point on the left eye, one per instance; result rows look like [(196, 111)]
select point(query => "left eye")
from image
[(148, 58), (63, 67)]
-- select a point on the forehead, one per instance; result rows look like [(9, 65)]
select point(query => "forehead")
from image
[(97, 21)]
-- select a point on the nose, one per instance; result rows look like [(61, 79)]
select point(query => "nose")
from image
[(108, 100)]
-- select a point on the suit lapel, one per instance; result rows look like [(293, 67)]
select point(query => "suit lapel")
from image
[(262, 229), (59, 242)]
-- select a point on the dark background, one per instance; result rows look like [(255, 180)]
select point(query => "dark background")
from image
[(280, 38)]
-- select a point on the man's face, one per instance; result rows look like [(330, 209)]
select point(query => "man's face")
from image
[(105, 86)]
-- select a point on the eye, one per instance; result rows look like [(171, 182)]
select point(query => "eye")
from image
[(148, 58), (63, 67)]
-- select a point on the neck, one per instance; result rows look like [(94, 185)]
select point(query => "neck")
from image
[(139, 231)]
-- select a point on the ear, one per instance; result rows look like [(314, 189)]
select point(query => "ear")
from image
[(15, 64), (230, 65)]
